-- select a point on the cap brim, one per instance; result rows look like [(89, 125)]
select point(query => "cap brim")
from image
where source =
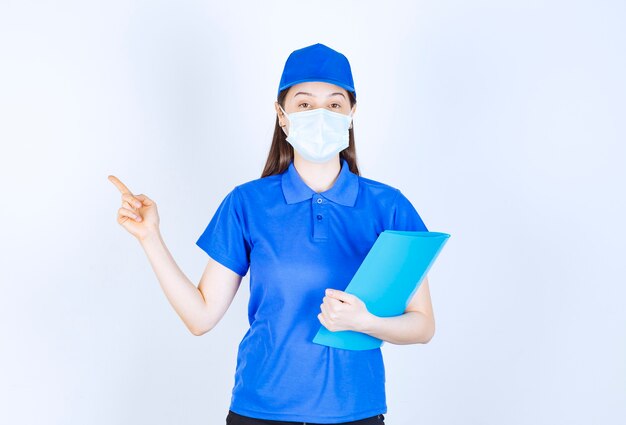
[(324, 80)]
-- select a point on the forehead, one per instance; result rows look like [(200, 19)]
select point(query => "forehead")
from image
[(316, 89)]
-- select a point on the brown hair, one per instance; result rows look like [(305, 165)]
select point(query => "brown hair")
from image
[(281, 151)]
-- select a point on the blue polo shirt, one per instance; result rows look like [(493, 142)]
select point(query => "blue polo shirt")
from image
[(296, 243)]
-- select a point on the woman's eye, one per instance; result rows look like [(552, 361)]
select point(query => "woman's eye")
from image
[(303, 103), (338, 106)]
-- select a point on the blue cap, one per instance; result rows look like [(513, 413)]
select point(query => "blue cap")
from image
[(317, 63)]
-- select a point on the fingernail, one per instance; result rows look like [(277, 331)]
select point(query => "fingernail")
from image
[(138, 218)]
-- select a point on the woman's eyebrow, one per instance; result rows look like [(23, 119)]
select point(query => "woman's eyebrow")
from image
[(311, 94)]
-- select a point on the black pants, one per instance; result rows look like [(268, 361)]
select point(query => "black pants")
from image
[(237, 419)]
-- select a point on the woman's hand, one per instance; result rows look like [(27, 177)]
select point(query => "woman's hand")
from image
[(343, 311), (138, 213)]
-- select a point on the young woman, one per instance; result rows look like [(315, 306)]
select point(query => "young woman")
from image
[(302, 229)]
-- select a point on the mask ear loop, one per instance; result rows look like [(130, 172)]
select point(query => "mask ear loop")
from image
[(284, 113), (351, 115)]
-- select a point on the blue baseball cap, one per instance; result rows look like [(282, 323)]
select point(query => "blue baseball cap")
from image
[(317, 63)]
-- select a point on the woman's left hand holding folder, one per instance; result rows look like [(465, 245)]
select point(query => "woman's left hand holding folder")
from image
[(343, 311)]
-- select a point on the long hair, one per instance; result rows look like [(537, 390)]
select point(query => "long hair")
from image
[(281, 151)]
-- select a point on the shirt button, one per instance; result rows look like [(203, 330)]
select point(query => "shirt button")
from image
[(319, 200), (319, 216)]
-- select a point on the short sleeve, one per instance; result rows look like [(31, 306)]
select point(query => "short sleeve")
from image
[(405, 216), (224, 237)]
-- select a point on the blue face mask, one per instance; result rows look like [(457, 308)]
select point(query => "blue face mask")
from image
[(318, 134)]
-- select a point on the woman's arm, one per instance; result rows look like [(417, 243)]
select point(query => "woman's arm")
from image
[(343, 311), (202, 307), (415, 326)]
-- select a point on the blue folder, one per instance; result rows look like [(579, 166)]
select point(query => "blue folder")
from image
[(386, 280)]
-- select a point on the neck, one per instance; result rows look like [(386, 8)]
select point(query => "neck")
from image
[(319, 177)]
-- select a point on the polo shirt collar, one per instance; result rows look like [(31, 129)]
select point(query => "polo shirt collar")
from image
[(343, 191)]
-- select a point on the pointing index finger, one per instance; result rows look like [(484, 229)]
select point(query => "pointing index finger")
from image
[(121, 186)]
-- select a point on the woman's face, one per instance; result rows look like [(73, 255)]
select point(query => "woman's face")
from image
[(313, 95)]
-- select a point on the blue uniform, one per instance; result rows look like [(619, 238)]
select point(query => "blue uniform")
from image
[(296, 243)]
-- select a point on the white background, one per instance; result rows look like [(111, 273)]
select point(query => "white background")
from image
[(502, 121)]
